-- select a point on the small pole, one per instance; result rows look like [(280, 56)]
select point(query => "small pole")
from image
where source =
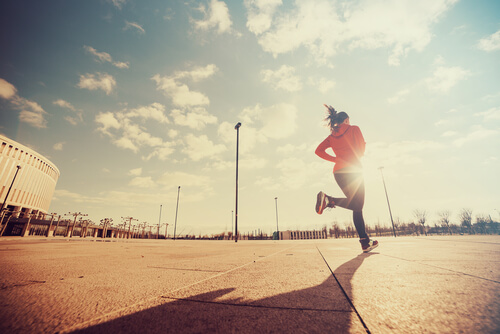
[(387, 196), (277, 228), (11, 184), (177, 208), (237, 127)]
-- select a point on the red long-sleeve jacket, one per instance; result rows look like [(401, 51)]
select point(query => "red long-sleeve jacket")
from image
[(347, 144)]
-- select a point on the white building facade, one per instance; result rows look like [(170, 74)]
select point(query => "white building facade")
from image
[(34, 184)]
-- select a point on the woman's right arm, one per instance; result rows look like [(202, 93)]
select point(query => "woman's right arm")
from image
[(321, 151)]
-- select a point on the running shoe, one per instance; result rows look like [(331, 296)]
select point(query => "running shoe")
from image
[(321, 202), (368, 246)]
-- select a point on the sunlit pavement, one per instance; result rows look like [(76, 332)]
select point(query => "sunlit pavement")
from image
[(435, 284)]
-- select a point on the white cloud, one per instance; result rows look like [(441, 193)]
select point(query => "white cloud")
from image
[(260, 14), (291, 149), (283, 78), (118, 3), (126, 143), (477, 134), (278, 121), (179, 92), (449, 134), (126, 133), (103, 81), (445, 78), (399, 97), (154, 111), (30, 112), (134, 25), (142, 182), (7, 90), (99, 56), (201, 147), (72, 119), (492, 114), (490, 43), (295, 173), (107, 121), (325, 85), (325, 27), (135, 172), (58, 146), (259, 124), (64, 104), (195, 119), (103, 57), (215, 17)]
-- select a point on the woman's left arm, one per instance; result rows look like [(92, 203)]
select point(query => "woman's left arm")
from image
[(321, 151)]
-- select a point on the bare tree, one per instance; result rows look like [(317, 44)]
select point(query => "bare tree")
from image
[(445, 219), (421, 216), (466, 219)]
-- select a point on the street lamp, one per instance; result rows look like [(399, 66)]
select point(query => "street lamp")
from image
[(237, 128), (176, 209), (277, 228), (12, 183), (387, 196)]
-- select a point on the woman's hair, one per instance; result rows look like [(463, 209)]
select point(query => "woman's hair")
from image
[(335, 118)]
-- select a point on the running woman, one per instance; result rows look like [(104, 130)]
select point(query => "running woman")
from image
[(348, 145)]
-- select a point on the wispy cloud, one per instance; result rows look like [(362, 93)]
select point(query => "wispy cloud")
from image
[(260, 14), (445, 78), (134, 25), (7, 90), (201, 147), (118, 3), (180, 93), (478, 133), (30, 111), (216, 16), (490, 43), (76, 116), (102, 81), (58, 146), (326, 28), (142, 182), (284, 78), (104, 57), (197, 118), (399, 97), (492, 114), (125, 130), (278, 121)]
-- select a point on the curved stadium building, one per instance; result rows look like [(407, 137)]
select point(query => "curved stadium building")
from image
[(34, 183)]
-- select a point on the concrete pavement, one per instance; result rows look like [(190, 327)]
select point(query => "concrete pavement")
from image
[(438, 284)]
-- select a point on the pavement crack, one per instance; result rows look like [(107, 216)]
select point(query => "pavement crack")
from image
[(255, 305), (187, 269), (345, 293), (8, 286)]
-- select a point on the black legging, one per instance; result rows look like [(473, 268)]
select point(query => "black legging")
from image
[(353, 187)]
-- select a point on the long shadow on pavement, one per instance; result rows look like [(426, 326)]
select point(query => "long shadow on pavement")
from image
[(330, 312)]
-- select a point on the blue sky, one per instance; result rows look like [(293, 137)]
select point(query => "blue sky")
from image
[(131, 99)]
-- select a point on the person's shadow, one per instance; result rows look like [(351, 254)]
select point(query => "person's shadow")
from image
[(323, 308)]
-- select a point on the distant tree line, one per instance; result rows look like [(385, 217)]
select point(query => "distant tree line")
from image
[(482, 224)]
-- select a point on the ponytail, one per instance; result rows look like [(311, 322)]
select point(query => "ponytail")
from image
[(334, 118)]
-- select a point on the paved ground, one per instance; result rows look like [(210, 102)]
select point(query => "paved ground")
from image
[(407, 285)]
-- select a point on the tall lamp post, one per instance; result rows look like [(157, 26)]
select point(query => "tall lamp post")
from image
[(176, 209), (237, 128), (387, 197), (277, 228), (12, 183)]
